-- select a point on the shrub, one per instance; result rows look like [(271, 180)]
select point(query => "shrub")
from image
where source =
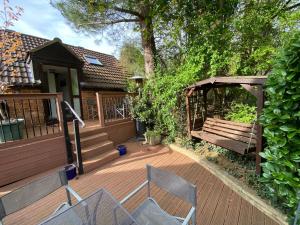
[(281, 121), (241, 113)]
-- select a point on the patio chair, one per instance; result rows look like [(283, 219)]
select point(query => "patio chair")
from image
[(100, 208), (149, 212), (34, 191)]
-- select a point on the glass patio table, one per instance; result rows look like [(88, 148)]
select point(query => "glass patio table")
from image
[(100, 208)]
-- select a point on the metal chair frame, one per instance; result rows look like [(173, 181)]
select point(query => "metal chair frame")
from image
[(191, 198), (25, 195)]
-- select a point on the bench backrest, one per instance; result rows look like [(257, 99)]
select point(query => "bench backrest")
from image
[(237, 131)]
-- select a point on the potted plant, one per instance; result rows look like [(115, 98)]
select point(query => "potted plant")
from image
[(153, 137), (10, 128)]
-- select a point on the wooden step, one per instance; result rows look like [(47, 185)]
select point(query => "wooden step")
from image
[(97, 161), (96, 149), (86, 132), (91, 140)]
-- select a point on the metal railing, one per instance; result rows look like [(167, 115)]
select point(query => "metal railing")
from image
[(112, 107), (67, 107), (29, 115)]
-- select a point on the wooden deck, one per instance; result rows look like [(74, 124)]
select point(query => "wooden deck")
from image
[(217, 203)]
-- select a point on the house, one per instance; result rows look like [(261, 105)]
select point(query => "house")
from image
[(50, 66), (36, 129)]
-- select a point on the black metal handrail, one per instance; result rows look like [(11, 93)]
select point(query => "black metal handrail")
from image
[(77, 119)]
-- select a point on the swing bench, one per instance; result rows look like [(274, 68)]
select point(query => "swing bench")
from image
[(238, 137)]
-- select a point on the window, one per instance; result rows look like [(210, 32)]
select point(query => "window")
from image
[(92, 60)]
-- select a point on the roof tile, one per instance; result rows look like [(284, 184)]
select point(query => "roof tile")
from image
[(110, 75)]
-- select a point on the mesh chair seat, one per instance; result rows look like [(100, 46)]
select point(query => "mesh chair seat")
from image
[(100, 208), (149, 213)]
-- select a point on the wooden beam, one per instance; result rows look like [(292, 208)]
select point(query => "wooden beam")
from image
[(188, 114), (190, 92), (100, 109), (205, 91), (250, 89), (259, 128)]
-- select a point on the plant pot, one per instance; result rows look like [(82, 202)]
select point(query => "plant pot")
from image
[(70, 171), (154, 140), (11, 130), (122, 149)]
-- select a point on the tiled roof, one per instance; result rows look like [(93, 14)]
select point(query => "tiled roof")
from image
[(108, 76)]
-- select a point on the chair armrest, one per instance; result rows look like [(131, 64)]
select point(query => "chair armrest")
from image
[(133, 192), (189, 216), (71, 191)]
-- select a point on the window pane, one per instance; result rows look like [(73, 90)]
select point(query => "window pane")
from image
[(92, 60), (74, 81)]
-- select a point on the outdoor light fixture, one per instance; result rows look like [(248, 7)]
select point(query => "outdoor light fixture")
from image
[(138, 79), (140, 126)]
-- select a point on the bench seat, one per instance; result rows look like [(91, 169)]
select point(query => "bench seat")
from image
[(227, 134)]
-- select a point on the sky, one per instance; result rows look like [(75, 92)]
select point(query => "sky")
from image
[(41, 19)]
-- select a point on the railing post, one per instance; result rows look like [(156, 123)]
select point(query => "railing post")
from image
[(100, 109), (58, 99), (66, 133), (78, 146)]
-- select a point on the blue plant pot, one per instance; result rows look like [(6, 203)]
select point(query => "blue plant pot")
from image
[(70, 171), (122, 149)]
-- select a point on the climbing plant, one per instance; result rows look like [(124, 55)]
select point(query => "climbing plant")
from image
[(281, 121)]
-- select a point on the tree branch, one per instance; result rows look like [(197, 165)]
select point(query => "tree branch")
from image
[(292, 7), (128, 11), (111, 22)]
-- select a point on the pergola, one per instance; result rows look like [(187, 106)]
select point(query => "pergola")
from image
[(252, 84)]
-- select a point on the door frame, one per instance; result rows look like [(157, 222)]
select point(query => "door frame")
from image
[(45, 85)]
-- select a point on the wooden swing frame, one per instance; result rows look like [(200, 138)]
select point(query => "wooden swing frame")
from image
[(252, 84)]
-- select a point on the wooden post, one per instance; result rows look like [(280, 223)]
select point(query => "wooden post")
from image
[(188, 113), (259, 128), (100, 109), (58, 100), (205, 102)]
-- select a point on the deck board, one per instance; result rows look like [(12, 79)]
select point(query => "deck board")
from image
[(217, 203)]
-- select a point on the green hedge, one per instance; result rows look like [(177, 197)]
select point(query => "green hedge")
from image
[(281, 121)]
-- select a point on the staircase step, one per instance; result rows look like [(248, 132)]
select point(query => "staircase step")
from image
[(88, 131), (96, 149), (91, 140), (97, 161)]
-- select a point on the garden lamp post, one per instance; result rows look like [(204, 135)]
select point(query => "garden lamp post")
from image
[(140, 126), (138, 81)]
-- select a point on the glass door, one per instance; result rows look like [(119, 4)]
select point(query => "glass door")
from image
[(75, 91)]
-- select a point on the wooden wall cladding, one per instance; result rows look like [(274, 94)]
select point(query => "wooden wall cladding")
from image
[(25, 160)]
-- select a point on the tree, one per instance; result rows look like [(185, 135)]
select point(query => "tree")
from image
[(10, 42), (93, 16), (131, 58)]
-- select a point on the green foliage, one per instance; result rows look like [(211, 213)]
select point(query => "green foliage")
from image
[(241, 113), (132, 59), (162, 101), (152, 133), (281, 121)]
